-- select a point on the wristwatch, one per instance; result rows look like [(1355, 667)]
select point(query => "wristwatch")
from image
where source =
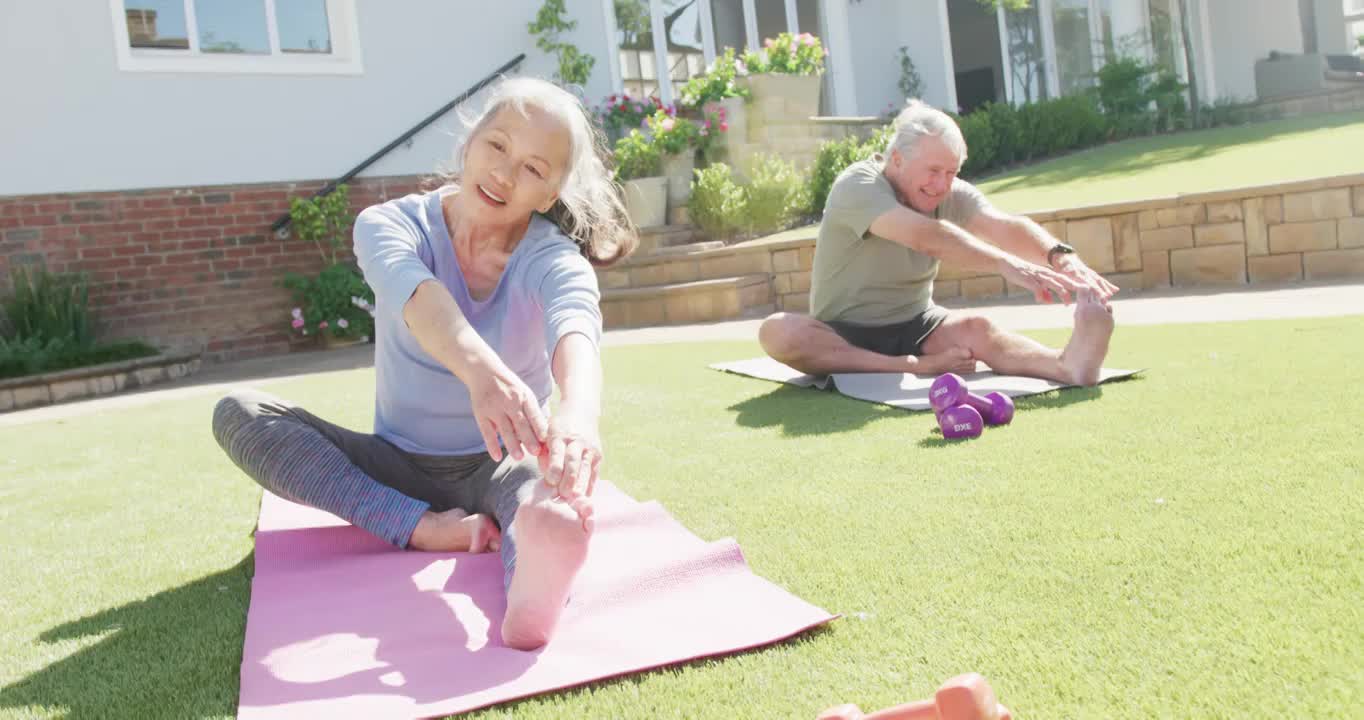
[(1059, 248)]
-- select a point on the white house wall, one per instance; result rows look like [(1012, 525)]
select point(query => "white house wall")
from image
[(878, 28), (75, 122), (1331, 36), (1244, 31)]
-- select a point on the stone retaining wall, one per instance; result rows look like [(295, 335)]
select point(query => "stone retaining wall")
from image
[(1310, 230)]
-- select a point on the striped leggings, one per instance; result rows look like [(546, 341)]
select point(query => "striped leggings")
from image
[(363, 478)]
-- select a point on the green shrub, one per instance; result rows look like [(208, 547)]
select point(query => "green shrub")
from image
[(31, 356), (716, 84), (50, 327), (46, 306), (637, 157), (337, 302), (775, 196), (834, 157), (1167, 92), (718, 204), (1006, 123), (981, 143), (324, 221)]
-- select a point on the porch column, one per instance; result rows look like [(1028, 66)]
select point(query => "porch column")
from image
[(839, 44), (949, 68), (1044, 22), (1207, 81)]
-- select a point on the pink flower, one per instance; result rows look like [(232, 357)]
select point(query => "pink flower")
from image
[(809, 40), (826, 52), (322, 325), (768, 43), (724, 127), (342, 323), (668, 124), (707, 125), (297, 323)]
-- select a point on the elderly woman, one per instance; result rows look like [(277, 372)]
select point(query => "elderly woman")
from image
[(485, 298)]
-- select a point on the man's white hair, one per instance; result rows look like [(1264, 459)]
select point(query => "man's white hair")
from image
[(919, 120)]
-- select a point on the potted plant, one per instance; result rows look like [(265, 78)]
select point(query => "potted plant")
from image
[(719, 92), (620, 114), (789, 67), (336, 305), (645, 188), (676, 140)]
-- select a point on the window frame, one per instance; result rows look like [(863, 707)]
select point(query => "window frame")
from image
[(344, 58)]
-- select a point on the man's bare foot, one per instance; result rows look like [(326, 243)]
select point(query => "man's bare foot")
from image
[(455, 531), (1084, 354), (551, 546)]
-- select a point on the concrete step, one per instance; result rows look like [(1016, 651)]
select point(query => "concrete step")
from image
[(688, 302)]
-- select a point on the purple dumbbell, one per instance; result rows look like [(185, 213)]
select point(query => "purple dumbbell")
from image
[(949, 389), (959, 421)]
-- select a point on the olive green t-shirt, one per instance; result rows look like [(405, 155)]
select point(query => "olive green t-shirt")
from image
[(865, 279)]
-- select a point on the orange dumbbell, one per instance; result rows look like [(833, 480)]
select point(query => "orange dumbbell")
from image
[(964, 697)]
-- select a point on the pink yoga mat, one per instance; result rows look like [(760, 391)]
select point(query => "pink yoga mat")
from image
[(342, 625)]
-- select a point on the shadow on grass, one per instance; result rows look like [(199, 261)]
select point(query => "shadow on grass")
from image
[(1133, 156), (807, 411), (176, 654), (1049, 400)]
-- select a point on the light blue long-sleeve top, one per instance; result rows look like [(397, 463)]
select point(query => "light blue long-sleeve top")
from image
[(547, 291)]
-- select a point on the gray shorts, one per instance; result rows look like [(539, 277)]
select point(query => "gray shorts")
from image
[(899, 339)]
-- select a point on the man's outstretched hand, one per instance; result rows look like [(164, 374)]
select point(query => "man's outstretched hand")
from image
[(1083, 275), (1045, 284)]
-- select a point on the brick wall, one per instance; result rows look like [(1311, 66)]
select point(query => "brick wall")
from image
[(185, 268)]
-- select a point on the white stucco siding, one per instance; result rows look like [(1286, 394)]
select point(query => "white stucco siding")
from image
[(878, 28), (75, 122), (1244, 31)]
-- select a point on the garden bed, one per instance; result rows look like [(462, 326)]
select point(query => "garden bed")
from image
[(94, 380)]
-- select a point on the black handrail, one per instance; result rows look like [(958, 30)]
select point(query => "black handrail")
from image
[(283, 222)]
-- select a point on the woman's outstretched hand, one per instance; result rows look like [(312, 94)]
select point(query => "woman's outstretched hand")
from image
[(503, 406), (572, 460)]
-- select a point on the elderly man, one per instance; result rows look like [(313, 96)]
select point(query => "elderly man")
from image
[(887, 224)]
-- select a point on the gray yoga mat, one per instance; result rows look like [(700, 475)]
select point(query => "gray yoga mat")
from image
[(901, 390)]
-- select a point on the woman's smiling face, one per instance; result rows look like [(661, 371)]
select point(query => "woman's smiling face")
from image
[(514, 166)]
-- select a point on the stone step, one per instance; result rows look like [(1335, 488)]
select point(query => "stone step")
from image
[(687, 302), (687, 248), (663, 236)]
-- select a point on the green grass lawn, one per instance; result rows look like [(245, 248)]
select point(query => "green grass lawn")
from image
[(1190, 162), (1186, 544)]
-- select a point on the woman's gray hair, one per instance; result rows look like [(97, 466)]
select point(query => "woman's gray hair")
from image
[(919, 120), (589, 208)]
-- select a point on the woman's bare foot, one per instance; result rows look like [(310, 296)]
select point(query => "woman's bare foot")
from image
[(551, 546), (1084, 354), (455, 531)]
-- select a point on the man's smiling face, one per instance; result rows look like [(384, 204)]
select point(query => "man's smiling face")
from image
[(923, 178)]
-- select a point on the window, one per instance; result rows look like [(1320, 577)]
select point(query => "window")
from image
[(1074, 45), (250, 36), (1354, 25), (1027, 61)]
